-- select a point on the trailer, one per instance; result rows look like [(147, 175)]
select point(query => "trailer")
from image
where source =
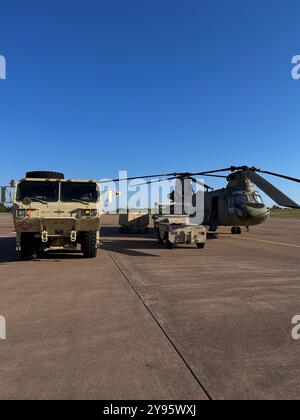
[(137, 222)]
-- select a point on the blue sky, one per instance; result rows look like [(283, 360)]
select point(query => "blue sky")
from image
[(94, 87)]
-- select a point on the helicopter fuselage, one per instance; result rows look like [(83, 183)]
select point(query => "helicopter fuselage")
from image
[(234, 209), (236, 205)]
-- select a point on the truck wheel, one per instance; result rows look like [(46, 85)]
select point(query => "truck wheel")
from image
[(201, 246), (168, 243), (45, 174), (28, 247), (88, 244)]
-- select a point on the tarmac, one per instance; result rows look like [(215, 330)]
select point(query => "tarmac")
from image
[(144, 322)]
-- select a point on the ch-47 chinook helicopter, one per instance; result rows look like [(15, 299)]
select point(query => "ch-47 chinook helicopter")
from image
[(236, 205)]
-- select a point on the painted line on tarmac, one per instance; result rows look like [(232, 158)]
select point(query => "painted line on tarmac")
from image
[(264, 241), (118, 265)]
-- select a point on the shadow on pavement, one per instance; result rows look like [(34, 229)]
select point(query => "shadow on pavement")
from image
[(113, 232), (61, 255), (8, 251), (132, 244), (9, 254)]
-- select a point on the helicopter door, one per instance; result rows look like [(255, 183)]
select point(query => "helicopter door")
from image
[(215, 209), (231, 206)]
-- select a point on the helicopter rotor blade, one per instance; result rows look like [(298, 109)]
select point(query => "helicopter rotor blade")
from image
[(245, 168), (213, 172), (289, 178), (176, 177), (171, 179), (211, 175), (274, 193), (155, 181), (200, 183), (174, 174)]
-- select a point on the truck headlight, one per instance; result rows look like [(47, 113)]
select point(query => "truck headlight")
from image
[(21, 213), (84, 212), (89, 213)]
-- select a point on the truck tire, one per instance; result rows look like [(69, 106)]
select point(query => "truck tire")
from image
[(201, 245), (88, 244), (45, 174), (28, 247)]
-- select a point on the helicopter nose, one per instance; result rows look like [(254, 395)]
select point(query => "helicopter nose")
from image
[(256, 212)]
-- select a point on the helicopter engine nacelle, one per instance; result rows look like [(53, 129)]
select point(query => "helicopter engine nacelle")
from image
[(239, 181)]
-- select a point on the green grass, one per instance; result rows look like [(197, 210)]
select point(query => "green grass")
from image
[(4, 209), (286, 213)]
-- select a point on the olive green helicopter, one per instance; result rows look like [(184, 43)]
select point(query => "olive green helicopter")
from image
[(237, 205)]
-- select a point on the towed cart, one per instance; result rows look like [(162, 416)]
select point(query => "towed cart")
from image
[(177, 230)]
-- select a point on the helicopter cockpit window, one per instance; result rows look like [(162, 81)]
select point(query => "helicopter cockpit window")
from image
[(254, 198), (258, 198)]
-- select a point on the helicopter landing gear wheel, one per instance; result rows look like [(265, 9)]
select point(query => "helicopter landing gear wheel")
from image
[(213, 227), (236, 230)]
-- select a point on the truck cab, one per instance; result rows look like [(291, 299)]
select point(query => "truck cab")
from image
[(52, 214)]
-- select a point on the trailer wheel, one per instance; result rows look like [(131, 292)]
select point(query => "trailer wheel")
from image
[(168, 243), (88, 244), (28, 247), (201, 246)]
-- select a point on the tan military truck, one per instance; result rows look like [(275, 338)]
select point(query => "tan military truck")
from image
[(52, 214)]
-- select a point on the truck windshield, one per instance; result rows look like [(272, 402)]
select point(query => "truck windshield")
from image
[(79, 191), (36, 190)]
